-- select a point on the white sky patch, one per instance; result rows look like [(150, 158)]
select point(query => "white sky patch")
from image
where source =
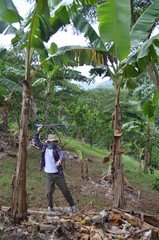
[(84, 69), (155, 31), (85, 72), (23, 7), (67, 39)]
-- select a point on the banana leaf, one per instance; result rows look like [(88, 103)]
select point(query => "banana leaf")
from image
[(144, 25), (114, 26)]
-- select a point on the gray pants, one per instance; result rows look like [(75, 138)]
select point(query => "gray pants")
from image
[(51, 179)]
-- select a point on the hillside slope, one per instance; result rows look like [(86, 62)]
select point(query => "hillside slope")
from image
[(140, 196)]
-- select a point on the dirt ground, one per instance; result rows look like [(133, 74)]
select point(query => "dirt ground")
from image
[(100, 192)]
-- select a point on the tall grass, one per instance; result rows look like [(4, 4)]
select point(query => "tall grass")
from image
[(86, 149), (132, 173), (7, 167)]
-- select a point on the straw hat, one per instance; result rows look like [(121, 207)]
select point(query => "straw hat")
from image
[(51, 138)]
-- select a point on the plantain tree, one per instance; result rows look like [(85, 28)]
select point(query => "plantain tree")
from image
[(10, 82), (113, 47), (43, 21), (142, 126), (114, 25), (111, 50), (61, 78), (114, 20), (149, 110), (31, 39), (144, 58), (34, 31), (107, 51)]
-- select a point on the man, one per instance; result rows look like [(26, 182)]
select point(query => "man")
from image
[(51, 160)]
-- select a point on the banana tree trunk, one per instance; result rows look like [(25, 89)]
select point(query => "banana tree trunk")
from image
[(4, 114), (18, 207), (118, 179), (150, 156), (91, 139), (153, 73), (48, 98), (147, 150), (82, 168), (86, 176), (140, 161), (4, 118)]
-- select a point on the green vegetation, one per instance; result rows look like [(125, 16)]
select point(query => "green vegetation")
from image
[(85, 148), (132, 173), (7, 170), (156, 184)]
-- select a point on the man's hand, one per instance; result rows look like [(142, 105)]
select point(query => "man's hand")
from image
[(39, 128), (58, 163)]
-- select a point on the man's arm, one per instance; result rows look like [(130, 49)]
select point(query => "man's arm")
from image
[(61, 156), (36, 138)]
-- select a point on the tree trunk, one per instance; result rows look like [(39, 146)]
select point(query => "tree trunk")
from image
[(82, 169), (133, 19), (91, 139), (86, 176), (4, 114), (145, 161), (4, 118), (153, 73), (48, 98), (118, 179), (150, 156), (147, 150), (140, 165), (19, 208)]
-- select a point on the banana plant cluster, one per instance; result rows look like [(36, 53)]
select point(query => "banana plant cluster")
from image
[(145, 49)]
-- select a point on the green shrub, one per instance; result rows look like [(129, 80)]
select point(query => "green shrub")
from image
[(156, 184)]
